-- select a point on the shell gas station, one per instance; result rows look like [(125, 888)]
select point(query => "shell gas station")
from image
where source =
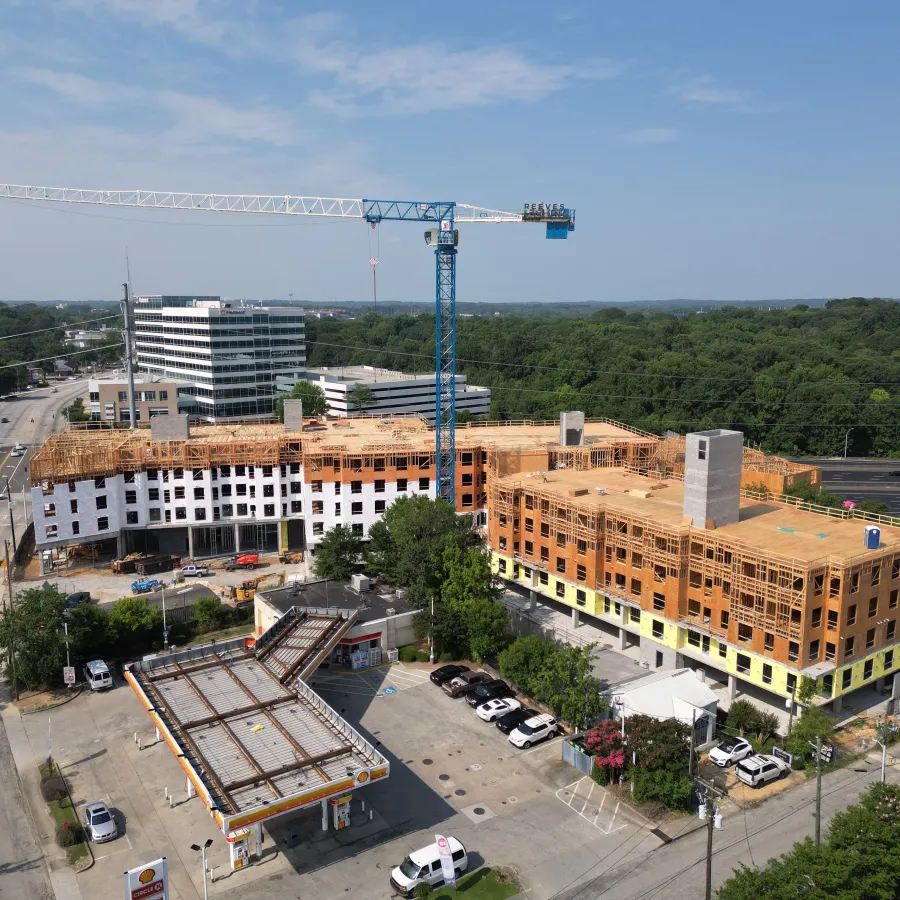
[(253, 740)]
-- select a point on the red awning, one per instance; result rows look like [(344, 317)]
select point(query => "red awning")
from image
[(356, 638)]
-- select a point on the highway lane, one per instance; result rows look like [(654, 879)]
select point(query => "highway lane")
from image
[(45, 408), (858, 478)]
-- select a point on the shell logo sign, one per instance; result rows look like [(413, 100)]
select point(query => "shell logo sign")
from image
[(148, 882), (362, 778)]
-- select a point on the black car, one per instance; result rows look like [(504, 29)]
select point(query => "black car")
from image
[(445, 673), (514, 719), (78, 598), (490, 690)]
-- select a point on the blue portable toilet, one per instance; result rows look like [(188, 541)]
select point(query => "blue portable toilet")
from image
[(873, 537)]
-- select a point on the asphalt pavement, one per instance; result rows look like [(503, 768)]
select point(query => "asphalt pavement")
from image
[(860, 478), (45, 408)]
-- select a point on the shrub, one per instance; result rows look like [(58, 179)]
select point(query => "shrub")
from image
[(422, 891), (53, 788), (674, 791), (69, 834), (600, 774), (422, 656), (408, 654), (445, 657), (742, 717)]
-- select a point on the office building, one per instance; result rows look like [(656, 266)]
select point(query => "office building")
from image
[(108, 398), (392, 393), (226, 357)]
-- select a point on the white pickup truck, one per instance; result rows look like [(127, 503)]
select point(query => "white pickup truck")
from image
[(198, 571)]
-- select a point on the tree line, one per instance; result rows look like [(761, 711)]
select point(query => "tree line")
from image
[(793, 380)]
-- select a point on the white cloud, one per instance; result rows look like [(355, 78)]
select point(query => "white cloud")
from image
[(650, 136), (424, 77), (192, 118), (703, 91)]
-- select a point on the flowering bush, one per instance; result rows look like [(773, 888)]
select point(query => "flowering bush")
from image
[(604, 742)]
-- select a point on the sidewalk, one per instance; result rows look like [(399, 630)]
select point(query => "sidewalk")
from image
[(62, 878)]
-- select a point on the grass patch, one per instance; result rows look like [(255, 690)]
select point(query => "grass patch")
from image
[(481, 885), (61, 811)]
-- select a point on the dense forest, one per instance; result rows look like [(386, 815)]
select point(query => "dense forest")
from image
[(38, 343), (794, 381)]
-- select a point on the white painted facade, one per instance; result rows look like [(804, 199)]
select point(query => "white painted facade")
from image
[(227, 495), (393, 393)]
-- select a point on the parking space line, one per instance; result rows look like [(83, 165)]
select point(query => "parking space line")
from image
[(544, 746)]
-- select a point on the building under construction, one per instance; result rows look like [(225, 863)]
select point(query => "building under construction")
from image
[(678, 558)]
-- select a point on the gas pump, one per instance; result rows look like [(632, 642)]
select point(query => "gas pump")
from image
[(340, 811), (240, 852)]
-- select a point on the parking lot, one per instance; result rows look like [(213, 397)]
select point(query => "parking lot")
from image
[(451, 773)]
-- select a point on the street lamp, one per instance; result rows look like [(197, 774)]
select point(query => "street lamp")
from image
[(846, 441), (9, 500), (202, 850)]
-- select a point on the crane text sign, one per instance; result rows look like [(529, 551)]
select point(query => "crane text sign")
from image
[(541, 212), (148, 882)]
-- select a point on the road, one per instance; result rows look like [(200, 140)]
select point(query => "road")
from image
[(676, 871), (46, 410), (877, 479)]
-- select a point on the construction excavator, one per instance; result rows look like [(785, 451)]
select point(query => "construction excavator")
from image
[(246, 590)]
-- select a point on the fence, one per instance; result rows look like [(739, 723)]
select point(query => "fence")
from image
[(576, 756)]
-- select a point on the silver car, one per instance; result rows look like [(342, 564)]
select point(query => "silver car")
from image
[(99, 823)]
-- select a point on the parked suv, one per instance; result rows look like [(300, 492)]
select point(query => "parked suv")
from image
[(761, 769), (490, 690), (533, 730), (730, 751), (465, 683), (446, 673)]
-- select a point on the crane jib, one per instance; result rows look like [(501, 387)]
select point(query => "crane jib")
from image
[(559, 219)]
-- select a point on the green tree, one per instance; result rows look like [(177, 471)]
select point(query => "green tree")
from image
[(209, 613), (856, 861), (136, 626), (360, 396), (659, 745), (523, 661), (742, 717), (566, 685), (33, 631), (486, 622), (407, 545), (313, 397), (76, 412), (337, 555), (89, 632)]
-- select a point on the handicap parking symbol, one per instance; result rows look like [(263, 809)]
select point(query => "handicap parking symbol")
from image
[(390, 690)]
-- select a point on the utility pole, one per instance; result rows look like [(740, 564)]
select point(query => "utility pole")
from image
[(818, 790), (691, 755), (9, 506), (710, 815), (9, 611), (129, 361)]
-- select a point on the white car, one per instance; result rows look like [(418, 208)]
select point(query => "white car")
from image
[(493, 709), (99, 823), (761, 769), (533, 730), (18, 450), (730, 751)]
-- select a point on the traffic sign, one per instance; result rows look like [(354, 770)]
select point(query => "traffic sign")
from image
[(69, 674)]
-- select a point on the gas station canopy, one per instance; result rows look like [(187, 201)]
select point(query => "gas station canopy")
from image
[(253, 739)]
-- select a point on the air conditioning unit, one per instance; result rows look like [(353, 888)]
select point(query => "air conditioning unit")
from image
[(390, 611), (393, 656)]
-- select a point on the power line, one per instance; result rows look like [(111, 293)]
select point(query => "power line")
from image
[(9, 337), (489, 362), (28, 362)]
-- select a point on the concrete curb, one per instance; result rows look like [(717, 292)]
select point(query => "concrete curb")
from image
[(87, 843), (49, 706)]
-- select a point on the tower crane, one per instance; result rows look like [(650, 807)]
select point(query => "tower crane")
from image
[(441, 234)]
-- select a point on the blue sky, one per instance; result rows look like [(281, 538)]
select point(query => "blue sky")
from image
[(712, 150)]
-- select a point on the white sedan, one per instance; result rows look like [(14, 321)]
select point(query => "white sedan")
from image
[(493, 709)]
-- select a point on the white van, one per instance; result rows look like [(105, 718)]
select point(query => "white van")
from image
[(424, 866), (97, 676)]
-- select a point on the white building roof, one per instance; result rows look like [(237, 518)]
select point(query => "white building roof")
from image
[(673, 694)]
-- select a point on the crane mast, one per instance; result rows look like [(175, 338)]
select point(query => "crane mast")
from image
[(441, 218)]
